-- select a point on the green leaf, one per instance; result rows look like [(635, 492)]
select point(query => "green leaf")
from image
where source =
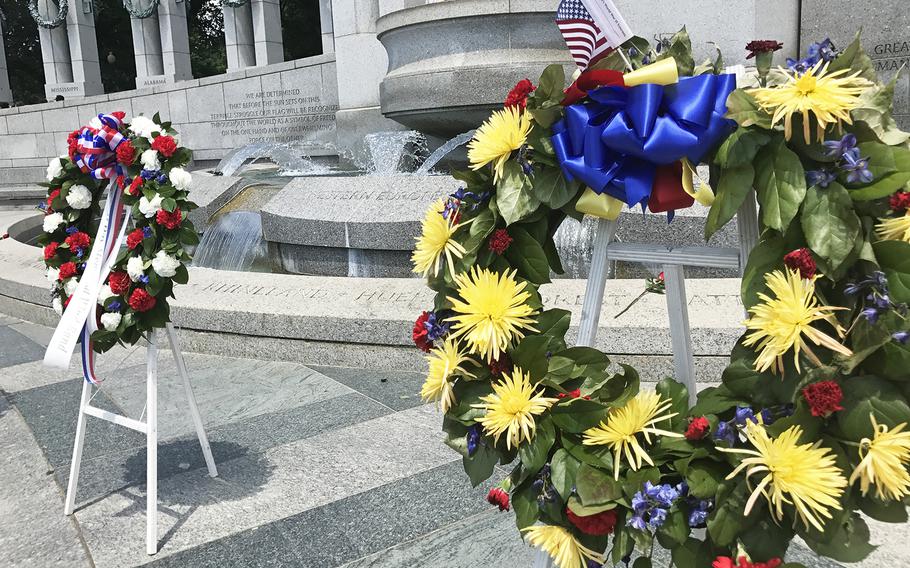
[(524, 502), (767, 539), (675, 530), (676, 392), (596, 487), (741, 147), (703, 477), (552, 189), (870, 395), (169, 204), (780, 182), (480, 228), (528, 256), (715, 400), (479, 467), (829, 223), (642, 562), (854, 58), (554, 323), (894, 259), (726, 522), (563, 471), (577, 414), (530, 356), (767, 255), (533, 454), (743, 108), (577, 362), (182, 276), (874, 110), (734, 185), (622, 542), (552, 84), (681, 50), (893, 362), (515, 196), (546, 116), (890, 512), (844, 542), (882, 187)]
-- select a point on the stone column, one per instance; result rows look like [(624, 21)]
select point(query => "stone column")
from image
[(267, 31), (325, 25), (80, 29), (147, 51), (6, 94), (238, 37), (361, 64), (175, 40)]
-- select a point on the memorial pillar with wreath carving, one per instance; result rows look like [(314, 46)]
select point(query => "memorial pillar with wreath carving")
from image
[(267, 31), (325, 26), (68, 48), (161, 43), (6, 94), (238, 35)]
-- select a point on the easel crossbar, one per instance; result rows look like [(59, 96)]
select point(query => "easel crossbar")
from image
[(116, 419)]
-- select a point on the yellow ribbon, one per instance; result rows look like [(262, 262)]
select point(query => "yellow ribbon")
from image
[(703, 195), (602, 205)]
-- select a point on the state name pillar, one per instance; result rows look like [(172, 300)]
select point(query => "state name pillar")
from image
[(238, 37), (161, 44), (326, 27), (269, 45), (69, 52)]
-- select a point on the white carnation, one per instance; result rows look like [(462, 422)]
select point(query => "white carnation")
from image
[(79, 197), (110, 320), (149, 160), (52, 221), (54, 168), (104, 294), (143, 126), (181, 178), (135, 268), (52, 275), (70, 286), (150, 207), (164, 264), (58, 306)]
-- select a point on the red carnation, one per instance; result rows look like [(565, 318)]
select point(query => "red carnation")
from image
[(67, 270), (500, 241), (169, 220), (501, 365), (498, 497), (165, 145), (134, 239), (78, 241), (518, 96), (119, 282), (419, 334), (757, 46), (140, 300), (698, 428), (51, 197), (801, 259), (118, 114), (823, 397), (900, 202), (126, 153), (136, 186), (727, 562), (50, 251), (72, 143), (599, 524)]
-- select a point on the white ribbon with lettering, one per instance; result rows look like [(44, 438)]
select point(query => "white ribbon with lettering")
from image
[(81, 308), (611, 23)]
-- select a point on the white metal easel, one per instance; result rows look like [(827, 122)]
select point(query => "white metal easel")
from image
[(149, 428)]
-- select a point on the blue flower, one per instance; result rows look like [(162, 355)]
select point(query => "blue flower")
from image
[(636, 521), (666, 495), (146, 232), (144, 279), (837, 148), (901, 337), (639, 503), (725, 432), (683, 488), (871, 315), (657, 518), (699, 513), (881, 302), (767, 417), (821, 178), (852, 289), (473, 439), (651, 490), (744, 414), (857, 168), (436, 326), (42, 205), (149, 174), (80, 253), (162, 178), (71, 230), (822, 51), (594, 564)]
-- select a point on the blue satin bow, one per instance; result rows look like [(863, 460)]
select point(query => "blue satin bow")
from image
[(614, 142)]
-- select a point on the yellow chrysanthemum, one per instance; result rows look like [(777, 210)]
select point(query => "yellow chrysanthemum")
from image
[(828, 96), (621, 428), (491, 312), (778, 324), (511, 408), (565, 550), (894, 228), (884, 461), (504, 132), (802, 475), (445, 364), (435, 241)]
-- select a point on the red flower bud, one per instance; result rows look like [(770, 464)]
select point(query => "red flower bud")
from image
[(136, 186), (126, 153), (169, 220), (134, 239), (599, 524), (698, 428), (165, 145), (78, 241), (500, 241), (900, 202), (823, 397), (50, 250), (518, 96), (498, 497), (67, 270), (801, 259), (119, 282), (141, 301), (419, 333)]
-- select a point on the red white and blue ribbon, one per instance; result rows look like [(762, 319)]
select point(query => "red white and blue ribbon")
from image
[(96, 155)]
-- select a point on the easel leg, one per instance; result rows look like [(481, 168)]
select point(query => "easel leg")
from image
[(77, 450), (597, 282), (678, 312), (191, 400), (151, 471)]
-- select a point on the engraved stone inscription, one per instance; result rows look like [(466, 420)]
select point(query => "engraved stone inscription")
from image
[(279, 116)]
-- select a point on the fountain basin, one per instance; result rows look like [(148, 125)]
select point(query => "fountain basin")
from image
[(349, 226), (468, 55)]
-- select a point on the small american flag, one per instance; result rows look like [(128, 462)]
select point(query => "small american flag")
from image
[(584, 38)]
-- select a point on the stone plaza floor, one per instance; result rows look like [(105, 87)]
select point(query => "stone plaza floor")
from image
[(318, 467)]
